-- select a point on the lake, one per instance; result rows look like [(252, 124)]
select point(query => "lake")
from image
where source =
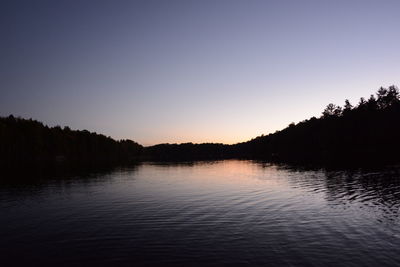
[(219, 213)]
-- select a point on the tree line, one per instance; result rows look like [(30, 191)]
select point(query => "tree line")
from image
[(30, 142), (367, 132)]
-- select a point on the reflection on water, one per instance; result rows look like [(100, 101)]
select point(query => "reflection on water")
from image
[(204, 213)]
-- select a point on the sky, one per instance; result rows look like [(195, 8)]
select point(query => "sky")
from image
[(192, 71)]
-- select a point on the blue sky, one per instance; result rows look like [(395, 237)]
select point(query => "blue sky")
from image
[(199, 71)]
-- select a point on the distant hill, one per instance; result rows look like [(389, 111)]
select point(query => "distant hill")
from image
[(188, 151), (367, 133)]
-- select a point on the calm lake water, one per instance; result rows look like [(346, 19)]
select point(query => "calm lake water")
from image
[(221, 213)]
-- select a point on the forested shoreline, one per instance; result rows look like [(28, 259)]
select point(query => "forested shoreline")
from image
[(366, 133), (31, 142)]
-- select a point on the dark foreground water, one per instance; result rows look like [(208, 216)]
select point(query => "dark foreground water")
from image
[(221, 213)]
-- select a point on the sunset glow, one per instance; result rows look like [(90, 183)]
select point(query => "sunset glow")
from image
[(192, 71)]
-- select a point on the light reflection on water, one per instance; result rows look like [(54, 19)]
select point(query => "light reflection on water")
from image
[(205, 213)]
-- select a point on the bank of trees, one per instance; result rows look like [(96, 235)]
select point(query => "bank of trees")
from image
[(25, 141), (187, 151), (368, 133), (365, 133)]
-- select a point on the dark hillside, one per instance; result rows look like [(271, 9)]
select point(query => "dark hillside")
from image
[(367, 133), (30, 142)]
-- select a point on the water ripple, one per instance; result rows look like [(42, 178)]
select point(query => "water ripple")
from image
[(208, 214)]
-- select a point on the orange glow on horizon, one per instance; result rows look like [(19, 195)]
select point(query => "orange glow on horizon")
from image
[(199, 140)]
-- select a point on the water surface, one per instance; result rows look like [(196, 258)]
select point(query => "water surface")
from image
[(207, 213)]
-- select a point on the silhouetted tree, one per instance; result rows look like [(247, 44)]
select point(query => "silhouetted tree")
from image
[(372, 104), (347, 105), (332, 110)]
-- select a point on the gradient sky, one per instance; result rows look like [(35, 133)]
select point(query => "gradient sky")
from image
[(200, 71)]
